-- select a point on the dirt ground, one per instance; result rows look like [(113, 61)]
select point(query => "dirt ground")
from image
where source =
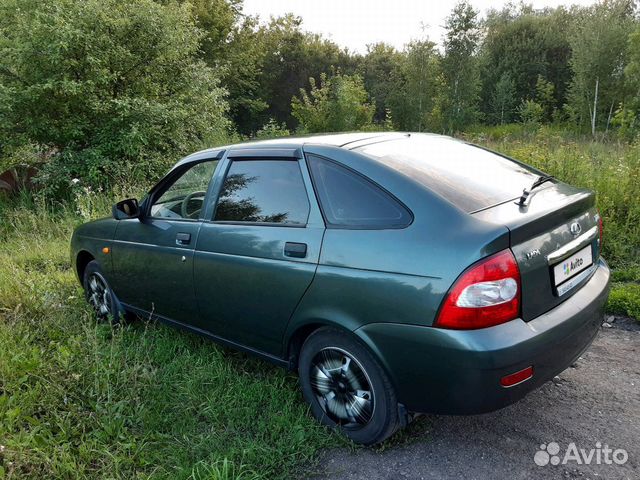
[(596, 400)]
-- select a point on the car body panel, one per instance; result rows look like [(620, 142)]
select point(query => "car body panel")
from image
[(246, 287), (91, 238), (150, 271), (458, 372), (424, 247), (239, 259), (541, 228)]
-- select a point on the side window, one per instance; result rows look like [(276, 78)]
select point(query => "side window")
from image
[(350, 200), (184, 199), (263, 191)]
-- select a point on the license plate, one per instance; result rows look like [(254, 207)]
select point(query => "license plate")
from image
[(573, 265)]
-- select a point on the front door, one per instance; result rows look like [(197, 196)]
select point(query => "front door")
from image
[(153, 257), (258, 252)]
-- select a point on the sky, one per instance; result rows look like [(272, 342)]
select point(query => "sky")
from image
[(356, 23)]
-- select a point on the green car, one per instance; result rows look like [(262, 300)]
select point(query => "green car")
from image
[(397, 273)]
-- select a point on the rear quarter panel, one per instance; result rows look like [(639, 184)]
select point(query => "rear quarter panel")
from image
[(393, 275)]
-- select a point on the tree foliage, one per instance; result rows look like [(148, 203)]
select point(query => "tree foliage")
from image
[(503, 100), (336, 104), (598, 59), (292, 58), (524, 44), (459, 95), (412, 102), (106, 88), (380, 70)]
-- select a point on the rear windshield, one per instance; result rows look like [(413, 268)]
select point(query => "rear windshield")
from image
[(469, 177)]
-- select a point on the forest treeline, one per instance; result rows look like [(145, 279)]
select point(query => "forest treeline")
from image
[(113, 91)]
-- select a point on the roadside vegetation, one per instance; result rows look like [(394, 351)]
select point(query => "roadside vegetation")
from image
[(85, 400), (99, 97)]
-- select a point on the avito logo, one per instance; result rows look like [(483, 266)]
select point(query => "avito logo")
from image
[(572, 265)]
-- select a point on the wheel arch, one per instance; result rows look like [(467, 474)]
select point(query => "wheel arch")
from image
[(298, 336), (82, 260)]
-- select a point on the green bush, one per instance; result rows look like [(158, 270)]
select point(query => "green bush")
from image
[(531, 112), (337, 104), (624, 299), (272, 129), (110, 91)]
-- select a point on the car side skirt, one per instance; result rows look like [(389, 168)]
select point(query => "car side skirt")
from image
[(220, 340)]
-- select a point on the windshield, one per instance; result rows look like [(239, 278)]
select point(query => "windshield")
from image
[(468, 176)]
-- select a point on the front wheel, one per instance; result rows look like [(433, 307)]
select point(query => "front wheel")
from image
[(99, 294), (346, 387)]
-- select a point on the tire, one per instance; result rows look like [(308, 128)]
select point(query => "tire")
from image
[(346, 387), (99, 294)]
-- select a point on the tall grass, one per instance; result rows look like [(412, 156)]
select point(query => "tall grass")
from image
[(85, 400)]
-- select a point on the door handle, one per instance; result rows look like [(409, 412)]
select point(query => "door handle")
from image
[(296, 250), (183, 238)]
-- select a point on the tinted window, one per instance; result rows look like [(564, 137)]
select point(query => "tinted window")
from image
[(265, 191), (350, 200), (468, 176), (185, 198)]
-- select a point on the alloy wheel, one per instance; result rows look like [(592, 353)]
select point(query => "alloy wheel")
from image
[(342, 388), (99, 295)]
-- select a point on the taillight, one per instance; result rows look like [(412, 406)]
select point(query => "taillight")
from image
[(486, 294)]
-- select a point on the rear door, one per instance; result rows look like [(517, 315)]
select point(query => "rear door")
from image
[(258, 250)]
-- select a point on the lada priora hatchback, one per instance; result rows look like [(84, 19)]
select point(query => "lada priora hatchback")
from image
[(397, 273)]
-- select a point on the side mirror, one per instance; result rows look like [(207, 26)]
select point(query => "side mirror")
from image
[(128, 208)]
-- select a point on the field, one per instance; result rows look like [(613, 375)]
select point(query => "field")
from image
[(86, 400)]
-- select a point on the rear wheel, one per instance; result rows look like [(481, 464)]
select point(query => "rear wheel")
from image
[(346, 387), (100, 295)]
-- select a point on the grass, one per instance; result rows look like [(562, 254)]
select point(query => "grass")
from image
[(85, 400)]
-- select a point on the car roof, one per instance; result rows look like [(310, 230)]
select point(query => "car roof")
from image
[(348, 141)]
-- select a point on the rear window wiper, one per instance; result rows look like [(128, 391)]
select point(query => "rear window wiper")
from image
[(537, 182)]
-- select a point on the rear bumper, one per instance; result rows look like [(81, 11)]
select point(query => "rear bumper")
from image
[(458, 372)]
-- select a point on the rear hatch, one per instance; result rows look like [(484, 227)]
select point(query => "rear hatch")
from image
[(555, 240)]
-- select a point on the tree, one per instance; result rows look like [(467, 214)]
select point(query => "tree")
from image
[(412, 104), (216, 19), (459, 95), (504, 99), (628, 116), (525, 43), (380, 69), (338, 103), (632, 71), (531, 112), (242, 70), (291, 58), (545, 98), (599, 44), (107, 89)]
